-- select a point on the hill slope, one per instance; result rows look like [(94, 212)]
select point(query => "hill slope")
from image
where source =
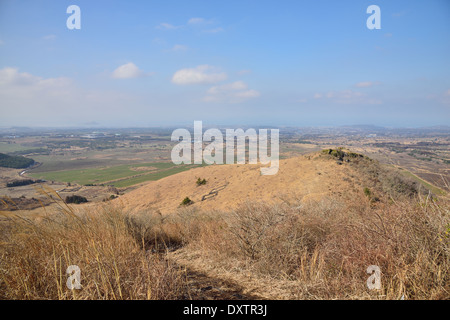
[(302, 178)]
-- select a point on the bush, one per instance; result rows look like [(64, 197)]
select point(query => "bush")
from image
[(201, 181), (338, 154), (186, 202), (76, 199), (19, 183), (111, 197)]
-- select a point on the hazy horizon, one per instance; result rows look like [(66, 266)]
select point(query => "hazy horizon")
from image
[(294, 63)]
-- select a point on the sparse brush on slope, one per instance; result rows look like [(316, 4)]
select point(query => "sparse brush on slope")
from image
[(186, 202), (201, 181), (386, 180), (327, 246)]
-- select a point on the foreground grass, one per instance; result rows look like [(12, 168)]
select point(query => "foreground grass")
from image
[(35, 256), (322, 248)]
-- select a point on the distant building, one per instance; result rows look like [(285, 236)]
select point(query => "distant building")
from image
[(94, 135)]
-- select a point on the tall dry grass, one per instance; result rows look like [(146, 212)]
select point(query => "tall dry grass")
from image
[(323, 247), (34, 257), (327, 246)]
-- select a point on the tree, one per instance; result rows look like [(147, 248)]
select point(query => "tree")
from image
[(186, 202)]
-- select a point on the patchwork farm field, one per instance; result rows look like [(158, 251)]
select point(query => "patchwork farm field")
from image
[(14, 147), (118, 176)]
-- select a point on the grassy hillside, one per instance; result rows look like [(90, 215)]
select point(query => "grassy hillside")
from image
[(310, 177), (310, 232)]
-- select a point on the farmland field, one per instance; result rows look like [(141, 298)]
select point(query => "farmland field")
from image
[(119, 176), (13, 147), (88, 163)]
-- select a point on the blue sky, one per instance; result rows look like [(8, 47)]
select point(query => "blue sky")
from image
[(150, 63)]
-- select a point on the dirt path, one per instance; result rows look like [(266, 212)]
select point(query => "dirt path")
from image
[(205, 287), (211, 280)]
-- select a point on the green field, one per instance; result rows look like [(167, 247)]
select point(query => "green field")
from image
[(153, 176), (431, 187), (119, 176), (14, 147)]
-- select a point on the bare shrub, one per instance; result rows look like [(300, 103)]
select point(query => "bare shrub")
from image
[(327, 247)]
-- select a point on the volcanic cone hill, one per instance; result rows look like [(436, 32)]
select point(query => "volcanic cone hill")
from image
[(331, 172)]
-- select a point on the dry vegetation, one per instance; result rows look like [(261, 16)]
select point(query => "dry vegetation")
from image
[(35, 256), (318, 249), (323, 249)]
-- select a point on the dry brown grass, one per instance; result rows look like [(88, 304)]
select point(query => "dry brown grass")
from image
[(326, 247), (35, 255), (321, 248)]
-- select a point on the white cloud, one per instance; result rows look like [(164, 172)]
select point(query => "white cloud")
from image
[(317, 96), (13, 78), (445, 99), (238, 85), (2, 42), (166, 26), (158, 41), (366, 84), (28, 99), (248, 94), (347, 97), (203, 74), (234, 92), (343, 95), (192, 22), (127, 71), (197, 21), (179, 47), (27, 96)]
